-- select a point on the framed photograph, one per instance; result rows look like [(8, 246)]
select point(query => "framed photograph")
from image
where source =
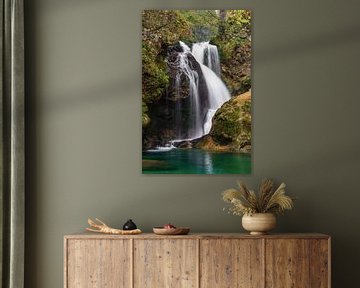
[(196, 91)]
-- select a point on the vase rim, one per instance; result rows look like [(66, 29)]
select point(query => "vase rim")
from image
[(267, 213)]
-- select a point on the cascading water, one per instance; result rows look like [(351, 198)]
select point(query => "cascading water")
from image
[(207, 54), (196, 126), (217, 93)]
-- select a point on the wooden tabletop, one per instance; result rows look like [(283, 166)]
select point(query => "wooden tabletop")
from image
[(89, 235)]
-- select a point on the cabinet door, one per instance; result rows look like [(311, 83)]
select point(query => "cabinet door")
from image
[(98, 263), (287, 263), (165, 263), (320, 263), (231, 263)]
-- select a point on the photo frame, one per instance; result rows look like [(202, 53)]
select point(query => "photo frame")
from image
[(196, 91)]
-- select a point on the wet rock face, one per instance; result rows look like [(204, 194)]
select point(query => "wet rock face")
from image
[(231, 130), (173, 69), (232, 123), (165, 124), (185, 145), (175, 48)]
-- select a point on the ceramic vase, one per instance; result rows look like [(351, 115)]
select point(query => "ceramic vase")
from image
[(259, 223)]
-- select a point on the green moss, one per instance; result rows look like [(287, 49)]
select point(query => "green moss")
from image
[(161, 28), (232, 124), (155, 77), (234, 44), (145, 117)]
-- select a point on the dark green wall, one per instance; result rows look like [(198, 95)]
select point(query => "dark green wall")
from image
[(83, 126)]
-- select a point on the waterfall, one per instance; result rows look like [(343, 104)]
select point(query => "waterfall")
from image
[(201, 111), (218, 95), (207, 54), (195, 129)]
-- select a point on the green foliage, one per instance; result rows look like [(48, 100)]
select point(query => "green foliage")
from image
[(160, 29), (163, 28), (145, 117), (155, 77), (204, 24), (230, 31), (234, 30), (234, 43)]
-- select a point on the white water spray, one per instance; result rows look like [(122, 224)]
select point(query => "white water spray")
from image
[(217, 92), (207, 54), (201, 111)]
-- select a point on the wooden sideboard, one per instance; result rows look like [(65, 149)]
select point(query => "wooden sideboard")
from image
[(197, 260)]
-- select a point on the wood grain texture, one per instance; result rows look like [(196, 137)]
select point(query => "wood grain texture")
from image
[(166, 263), (319, 263), (287, 263), (88, 235), (197, 260), (98, 264), (231, 263)]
